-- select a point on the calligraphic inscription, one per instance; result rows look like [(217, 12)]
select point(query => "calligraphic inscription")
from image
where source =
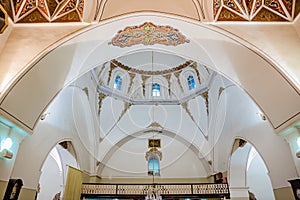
[(148, 34)]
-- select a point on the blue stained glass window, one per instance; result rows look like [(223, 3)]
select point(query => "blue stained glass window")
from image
[(155, 90), (153, 166), (191, 82), (118, 83)]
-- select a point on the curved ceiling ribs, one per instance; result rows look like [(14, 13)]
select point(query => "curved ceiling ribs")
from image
[(170, 134), (178, 74)]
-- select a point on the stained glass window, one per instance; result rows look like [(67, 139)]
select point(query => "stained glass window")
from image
[(191, 82), (155, 90), (153, 166), (118, 83)]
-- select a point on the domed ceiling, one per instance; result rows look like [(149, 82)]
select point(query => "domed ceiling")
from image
[(178, 79), (184, 116)]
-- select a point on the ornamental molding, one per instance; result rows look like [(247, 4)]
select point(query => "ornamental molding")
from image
[(148, 34), (160, 72)]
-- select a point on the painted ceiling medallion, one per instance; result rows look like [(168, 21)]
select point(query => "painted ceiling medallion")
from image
[(148, 34)]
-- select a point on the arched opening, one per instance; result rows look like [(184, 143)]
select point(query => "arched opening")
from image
[(191, 82), (155, 90), (248, 174), (54, 170), (261, 92), (232, 60), (118, 82)]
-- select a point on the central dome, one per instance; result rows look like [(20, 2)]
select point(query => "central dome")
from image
[(153, 77)]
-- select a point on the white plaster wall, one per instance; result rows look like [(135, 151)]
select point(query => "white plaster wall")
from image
[(197, 107), (243, 124), (57, 126), (83, 120), (185, 8), (292, 137), (139, 117), (143, 60), (67, 159), (258, 180), (279, 42), (129, 159), (54, 173), (51, 181), (4, 36), (238, 167), (243, 121), (6, 165), (22, 45), (111, 110), (232, 59), (297, 24)]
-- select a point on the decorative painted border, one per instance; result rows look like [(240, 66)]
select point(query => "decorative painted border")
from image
[(144, 72), (148, 34)]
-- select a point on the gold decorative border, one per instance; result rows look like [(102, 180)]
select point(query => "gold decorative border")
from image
[(5, 19), (138, 71)]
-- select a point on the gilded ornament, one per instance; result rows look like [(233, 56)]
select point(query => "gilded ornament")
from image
[(177, 74), (194, 66), (168, 77), (36, 11), (3, 19), (144, 78), (131, 76), (161, 72), (86, 91), (101, 96), (148, 34), (205, 96), (112, 66), (221, 89), (184, 105), (154, 125)]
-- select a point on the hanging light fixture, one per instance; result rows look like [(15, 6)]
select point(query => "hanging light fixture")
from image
[(153, 156), (153, 193)]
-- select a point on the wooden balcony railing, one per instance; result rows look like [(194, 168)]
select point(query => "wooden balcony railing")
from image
[(137, 191)]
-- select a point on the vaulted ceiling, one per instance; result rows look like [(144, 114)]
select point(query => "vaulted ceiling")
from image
[(37, 11), (114, 124), (187, 121)]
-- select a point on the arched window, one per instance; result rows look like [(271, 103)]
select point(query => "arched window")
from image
[(191, 82), (155, 90), (118, 82), (153, 166), (153, 156)]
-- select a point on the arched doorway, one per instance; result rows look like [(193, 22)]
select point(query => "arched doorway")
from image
[(54, 170), (248, 174)]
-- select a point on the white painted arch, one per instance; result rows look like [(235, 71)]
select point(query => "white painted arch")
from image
[(110, 151), (246, 66), (59, 65)]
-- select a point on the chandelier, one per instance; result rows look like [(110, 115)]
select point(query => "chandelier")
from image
[(153, 193), (153, 156)]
